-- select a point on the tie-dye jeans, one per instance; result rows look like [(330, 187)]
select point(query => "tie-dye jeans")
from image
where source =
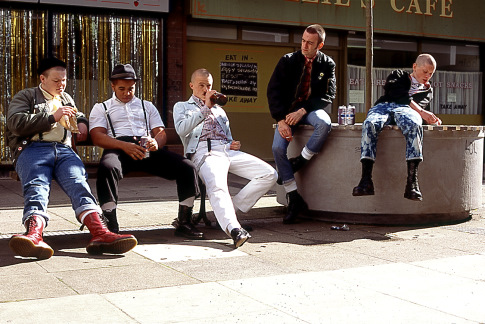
[(407, 119)]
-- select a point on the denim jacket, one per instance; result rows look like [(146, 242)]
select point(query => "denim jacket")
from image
[(189, 121)]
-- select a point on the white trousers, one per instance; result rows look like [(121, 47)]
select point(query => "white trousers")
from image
[(213, 170)]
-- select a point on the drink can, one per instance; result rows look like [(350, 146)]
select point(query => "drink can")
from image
[(342, 111), (143, 143), (350, 115)]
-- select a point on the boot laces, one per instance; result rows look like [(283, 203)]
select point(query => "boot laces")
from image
[(103, 219), (32, 224)]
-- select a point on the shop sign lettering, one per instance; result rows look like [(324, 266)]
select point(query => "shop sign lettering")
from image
[(442, 8)]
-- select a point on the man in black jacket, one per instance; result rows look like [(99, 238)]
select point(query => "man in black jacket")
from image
[(406, 103), (302, 85)]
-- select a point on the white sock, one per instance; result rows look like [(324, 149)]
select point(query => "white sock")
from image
[(290, 186), (189, 202), (307, 154)]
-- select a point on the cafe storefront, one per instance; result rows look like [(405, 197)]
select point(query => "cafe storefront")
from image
[(243, 40), (240, 42)]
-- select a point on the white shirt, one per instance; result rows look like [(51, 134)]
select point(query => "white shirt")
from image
[(128, 118)]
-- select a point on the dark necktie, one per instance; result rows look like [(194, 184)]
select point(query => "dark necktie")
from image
[(304, 90)]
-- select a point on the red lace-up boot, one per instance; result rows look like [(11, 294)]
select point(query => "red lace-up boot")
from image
[(104, 241), (31, 243)]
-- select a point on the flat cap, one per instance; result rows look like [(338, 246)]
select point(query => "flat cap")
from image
[(49, 63), (123, 72)]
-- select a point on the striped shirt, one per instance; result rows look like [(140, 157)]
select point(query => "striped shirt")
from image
[(417, 87)]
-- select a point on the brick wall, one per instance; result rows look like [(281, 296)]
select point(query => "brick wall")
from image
[(175, 55)]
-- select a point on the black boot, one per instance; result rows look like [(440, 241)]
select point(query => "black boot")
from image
[(184, 226), (412, 188), (297, 163), (366, 186), (111, 221), (296, 204)]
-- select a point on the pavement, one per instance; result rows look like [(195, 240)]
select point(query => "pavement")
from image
[(302, 273)]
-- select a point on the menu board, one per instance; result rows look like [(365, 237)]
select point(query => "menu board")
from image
[(239, 78)]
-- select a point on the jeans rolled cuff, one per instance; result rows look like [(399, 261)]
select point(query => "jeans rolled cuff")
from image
[(36, 212), (83, 208)]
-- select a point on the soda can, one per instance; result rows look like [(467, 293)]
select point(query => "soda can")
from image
[(143, 143), (350, 115), (342, 112)]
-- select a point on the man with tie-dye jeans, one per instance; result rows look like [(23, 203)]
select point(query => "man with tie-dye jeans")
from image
[(405, 103)]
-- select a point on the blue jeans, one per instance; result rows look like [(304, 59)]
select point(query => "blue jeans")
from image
[(321, 123), (38, 164), (406, 118)]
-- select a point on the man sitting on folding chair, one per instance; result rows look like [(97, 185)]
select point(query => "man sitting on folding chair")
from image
[(203, 127)]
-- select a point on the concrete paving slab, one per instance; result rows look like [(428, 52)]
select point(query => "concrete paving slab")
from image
[(421, 286), (72, 259), (204, 301), (467, 266), (11, 265), (143, 213), (34, 285), (257, 317), (125, 278), (400, 250), (229, 268), (296, 258), (321, 297), (186, 251), (73, 309)]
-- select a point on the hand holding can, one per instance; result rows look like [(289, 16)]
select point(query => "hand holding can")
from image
[(144, 143)]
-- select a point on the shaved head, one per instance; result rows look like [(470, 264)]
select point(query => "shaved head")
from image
[(199, 73)]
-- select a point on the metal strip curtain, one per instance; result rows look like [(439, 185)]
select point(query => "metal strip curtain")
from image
[(90, 45)]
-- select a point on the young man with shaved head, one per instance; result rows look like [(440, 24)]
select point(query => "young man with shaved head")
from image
[(405, 103), (204, 129)]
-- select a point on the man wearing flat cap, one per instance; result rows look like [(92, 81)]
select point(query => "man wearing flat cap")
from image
[(117, 125), (40, 123)]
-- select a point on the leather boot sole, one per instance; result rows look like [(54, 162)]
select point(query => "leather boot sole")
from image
[(238, 243), (413, 196), (119, 246), (26, 248), (188, 231), (362, 192)]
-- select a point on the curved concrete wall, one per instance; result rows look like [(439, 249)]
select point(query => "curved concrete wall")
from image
[(450, 176)]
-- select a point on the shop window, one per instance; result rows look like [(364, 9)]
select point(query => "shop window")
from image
[(454, 57), (457, 82), (265, 35), (207, 30), (330, 38), (92, 45), (388, 53), (22, 41)]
